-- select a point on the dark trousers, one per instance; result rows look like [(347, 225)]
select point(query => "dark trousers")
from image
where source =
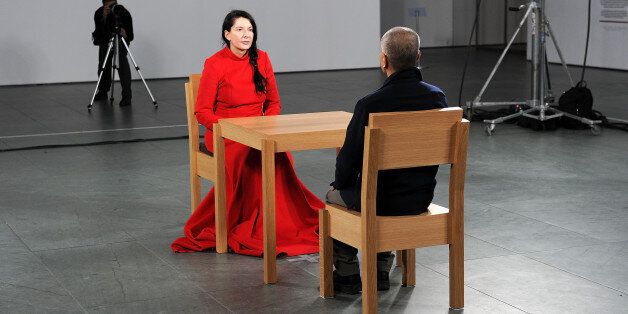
[(124, 71), (345, 256)]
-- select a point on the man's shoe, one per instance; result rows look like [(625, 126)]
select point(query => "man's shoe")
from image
[(125, 102), (383, 281), (101, 96), (347, 284)]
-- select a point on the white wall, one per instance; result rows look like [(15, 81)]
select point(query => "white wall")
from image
[(608, 45), (492, 15), (432, 19), (443, 23), (50, 41)]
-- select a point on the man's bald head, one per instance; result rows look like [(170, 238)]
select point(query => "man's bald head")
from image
[(401, 47)]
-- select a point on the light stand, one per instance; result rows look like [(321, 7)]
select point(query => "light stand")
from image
[(114, 47), (539, 96)]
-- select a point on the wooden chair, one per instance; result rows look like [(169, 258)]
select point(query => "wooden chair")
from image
[(204, 164), (393, 141)]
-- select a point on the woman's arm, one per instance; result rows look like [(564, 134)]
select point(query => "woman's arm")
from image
[(272, 104), (206, 99)]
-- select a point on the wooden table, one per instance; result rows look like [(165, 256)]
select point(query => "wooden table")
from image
[(270, 135)]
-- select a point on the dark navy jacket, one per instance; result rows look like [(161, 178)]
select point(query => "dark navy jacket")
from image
[(399, 191)]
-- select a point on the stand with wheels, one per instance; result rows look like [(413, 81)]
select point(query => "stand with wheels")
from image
[(540, 98), (113, 48)]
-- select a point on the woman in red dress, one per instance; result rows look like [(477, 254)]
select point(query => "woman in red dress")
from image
[(238, 81)]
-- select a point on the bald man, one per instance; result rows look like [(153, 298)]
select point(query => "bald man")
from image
[(399, 191)]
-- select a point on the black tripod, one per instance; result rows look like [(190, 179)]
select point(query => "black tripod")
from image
[(114, 48)]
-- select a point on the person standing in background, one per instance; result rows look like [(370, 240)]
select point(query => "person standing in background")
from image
[(109, 19)]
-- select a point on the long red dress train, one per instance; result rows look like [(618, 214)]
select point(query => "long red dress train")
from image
[(296, 209), (226, 90)]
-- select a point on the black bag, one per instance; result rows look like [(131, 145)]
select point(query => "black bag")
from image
[(536, 125), (577, 101)]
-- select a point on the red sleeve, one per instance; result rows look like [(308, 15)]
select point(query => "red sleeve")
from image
[(206, 99), (272, 104)]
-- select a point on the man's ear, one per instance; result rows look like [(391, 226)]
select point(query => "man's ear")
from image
[(418, 57), (385, 63)]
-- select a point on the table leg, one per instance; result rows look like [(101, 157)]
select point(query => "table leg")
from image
[(219, 191), (268, 207)]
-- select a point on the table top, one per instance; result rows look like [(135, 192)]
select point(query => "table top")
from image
[(291, 131)]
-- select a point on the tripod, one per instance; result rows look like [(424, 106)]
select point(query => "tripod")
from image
[(113, 48), (540, 98)]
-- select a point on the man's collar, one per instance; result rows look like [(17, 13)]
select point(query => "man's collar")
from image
[(405, 73)]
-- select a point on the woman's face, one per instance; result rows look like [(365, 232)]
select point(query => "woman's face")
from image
[(241, 34)]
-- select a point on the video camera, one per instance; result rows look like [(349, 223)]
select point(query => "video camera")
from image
[(115, 17)]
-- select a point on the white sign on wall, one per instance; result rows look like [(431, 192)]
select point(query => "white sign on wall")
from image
[(431, 19)]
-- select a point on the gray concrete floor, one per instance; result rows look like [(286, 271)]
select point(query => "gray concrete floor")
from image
[(87, 229)]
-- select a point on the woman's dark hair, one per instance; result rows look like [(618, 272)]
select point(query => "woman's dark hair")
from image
[(258, 78)]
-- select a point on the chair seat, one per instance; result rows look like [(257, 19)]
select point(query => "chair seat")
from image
[(393, 232)]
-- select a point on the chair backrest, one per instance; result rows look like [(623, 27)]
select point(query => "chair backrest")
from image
[(397, 140), (191, 92)]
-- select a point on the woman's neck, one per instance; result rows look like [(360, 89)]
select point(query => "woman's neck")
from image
[(238, 52)]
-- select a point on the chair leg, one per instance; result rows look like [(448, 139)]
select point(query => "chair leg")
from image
[(369, 280), (325, 256), (409, 268), (195, 190), (399, 258), (456, 275)]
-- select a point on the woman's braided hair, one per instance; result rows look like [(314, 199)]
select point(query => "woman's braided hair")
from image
[(258, 79)]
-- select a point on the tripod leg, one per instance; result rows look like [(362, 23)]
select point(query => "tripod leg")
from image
[(549, 94), (560, 54), (114, 67), (102, 71), (501, 58), (490, 127), (137, 68)]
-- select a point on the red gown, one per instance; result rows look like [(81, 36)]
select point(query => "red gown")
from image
[(226, 90)]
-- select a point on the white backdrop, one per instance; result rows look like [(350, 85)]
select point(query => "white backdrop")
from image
[(50, 41), (443, 23), (608, 43), (432, 19)]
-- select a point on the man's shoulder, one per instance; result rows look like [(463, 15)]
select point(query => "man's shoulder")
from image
[(387, 91), (382, 98), (431, 88), (370, 99)]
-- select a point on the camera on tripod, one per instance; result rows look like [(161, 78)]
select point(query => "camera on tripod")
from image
[(116, 25), (113, 34)]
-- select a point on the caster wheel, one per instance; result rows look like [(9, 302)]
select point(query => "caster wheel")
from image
[(489, 129), (596, 129), (89, 107)]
